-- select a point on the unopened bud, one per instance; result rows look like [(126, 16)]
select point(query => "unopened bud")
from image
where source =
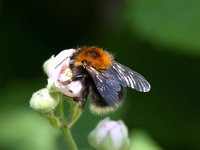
[(44, 101), (109, 135)]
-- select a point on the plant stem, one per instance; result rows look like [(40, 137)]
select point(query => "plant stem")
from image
[(54, 120), (64, 128), (75, 115)]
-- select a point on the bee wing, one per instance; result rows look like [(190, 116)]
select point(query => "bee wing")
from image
[(107, 85), (130, 78)]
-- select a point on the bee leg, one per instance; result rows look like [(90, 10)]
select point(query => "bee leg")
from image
[(74, 78), (78, 77), (82, 100)]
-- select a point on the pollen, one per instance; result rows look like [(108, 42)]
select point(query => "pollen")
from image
[(65, 75), (95, 57)]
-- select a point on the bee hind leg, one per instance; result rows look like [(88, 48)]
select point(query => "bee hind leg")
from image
[(80, 102)]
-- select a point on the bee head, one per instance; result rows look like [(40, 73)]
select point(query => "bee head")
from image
[(93, 56)]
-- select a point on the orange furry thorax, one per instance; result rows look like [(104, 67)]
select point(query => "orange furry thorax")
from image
[(95, 57)]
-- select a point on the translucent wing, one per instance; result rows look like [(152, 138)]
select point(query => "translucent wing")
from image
[(107, 85), (130, 78)]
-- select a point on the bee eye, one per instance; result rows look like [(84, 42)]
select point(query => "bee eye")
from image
[(84, 62), (93, 53)]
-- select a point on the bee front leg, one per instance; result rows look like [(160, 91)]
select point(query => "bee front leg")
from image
[(78, 77), (74, 78)]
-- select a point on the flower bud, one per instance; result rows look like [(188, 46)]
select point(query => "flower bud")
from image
[(109, 135), (44, 101)]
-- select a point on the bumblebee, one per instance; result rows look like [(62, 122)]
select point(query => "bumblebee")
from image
[(102, 78)]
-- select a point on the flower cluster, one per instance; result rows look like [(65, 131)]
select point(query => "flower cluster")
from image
[(48, 102), (59, 80)]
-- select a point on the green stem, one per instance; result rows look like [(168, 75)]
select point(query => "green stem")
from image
[(54, 121), (76, 114), (64, 128)]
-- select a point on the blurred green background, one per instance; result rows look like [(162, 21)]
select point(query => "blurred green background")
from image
[(159, 39)]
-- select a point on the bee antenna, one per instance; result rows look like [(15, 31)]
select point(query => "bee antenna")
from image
[(61, 62)]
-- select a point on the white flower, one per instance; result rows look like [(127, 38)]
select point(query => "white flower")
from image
[(109, 135), (44, 101), (59, 73)]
